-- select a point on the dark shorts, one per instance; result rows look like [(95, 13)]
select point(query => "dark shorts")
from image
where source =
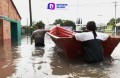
[(40, 44)]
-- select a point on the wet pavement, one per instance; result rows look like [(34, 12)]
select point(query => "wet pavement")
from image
[(28, 61)]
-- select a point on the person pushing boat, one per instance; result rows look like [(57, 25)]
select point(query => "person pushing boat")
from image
[(91, 41), (38, 36)]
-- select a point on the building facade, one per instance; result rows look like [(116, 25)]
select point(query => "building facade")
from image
[(10, 23)]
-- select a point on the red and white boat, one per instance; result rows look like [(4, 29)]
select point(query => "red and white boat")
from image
[(72, 48)]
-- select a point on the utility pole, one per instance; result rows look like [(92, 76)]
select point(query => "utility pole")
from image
[(27, 30), (77, 9), (30, 10), (78, 19), (115, 16)]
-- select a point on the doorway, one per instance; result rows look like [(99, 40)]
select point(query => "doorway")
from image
[(14, 33)]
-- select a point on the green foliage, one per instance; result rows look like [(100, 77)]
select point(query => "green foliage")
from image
[(118, 20), (40, 23), (111, 24), (112, 21), (68, 23), (34, 26), (58, 21), (109, 28)]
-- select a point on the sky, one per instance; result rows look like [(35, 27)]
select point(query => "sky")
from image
[(100, 11)]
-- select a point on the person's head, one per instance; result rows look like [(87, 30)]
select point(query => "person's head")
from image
[(91, 26)]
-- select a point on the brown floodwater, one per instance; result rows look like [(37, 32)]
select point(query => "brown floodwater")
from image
[(28, 61)]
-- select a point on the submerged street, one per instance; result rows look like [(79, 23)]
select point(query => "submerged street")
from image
[(28, 61)]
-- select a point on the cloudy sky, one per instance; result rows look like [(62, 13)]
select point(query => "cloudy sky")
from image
[(100, 11)]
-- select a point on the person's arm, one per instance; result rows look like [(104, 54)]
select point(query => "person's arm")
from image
[(47, 30), (73, 36), (32, 37)]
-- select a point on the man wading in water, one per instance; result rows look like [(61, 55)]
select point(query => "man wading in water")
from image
[(91, 41), (38, 36)]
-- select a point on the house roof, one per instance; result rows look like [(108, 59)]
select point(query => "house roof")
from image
[(15, 8)]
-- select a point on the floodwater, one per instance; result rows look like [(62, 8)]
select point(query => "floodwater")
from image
[(27, 61)]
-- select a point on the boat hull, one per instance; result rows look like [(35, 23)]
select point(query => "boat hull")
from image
[(72, 48)]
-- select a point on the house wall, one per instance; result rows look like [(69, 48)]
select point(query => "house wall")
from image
[(1, 31), (0, 7), (6, 33), (7, 9)]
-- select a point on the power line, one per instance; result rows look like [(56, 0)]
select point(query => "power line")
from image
[(94, 5), (89, 5)]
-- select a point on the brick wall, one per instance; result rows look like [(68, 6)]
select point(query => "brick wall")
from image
[(12, 12), (1, 22), (1, 32), (0, 7), (6, 33), (7, 8), (6, 28)]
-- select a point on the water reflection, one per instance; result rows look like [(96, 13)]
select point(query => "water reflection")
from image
[(28, 61), (38, 52), (78, 68), (6, 66), (31, 61)]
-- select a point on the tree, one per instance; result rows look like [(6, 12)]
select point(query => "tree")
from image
[(65, 23), (69, 23), (40, 23), (112, 21), (58, 21), (118, 20)]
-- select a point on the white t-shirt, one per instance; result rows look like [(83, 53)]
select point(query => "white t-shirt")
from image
[(85, 36)]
